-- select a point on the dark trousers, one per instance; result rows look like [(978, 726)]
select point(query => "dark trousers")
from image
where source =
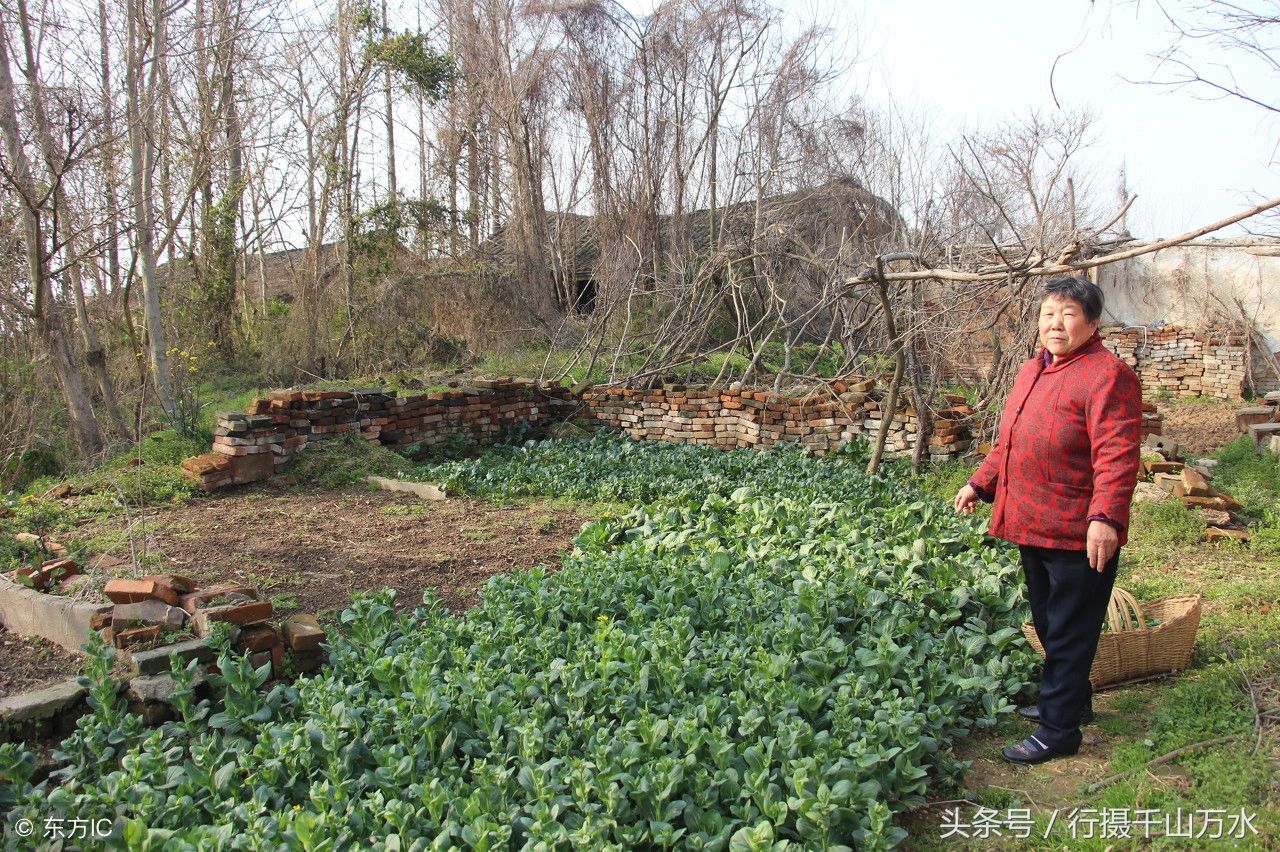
[(1068, 604)]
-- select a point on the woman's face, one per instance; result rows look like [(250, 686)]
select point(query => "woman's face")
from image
[(1063, 326)]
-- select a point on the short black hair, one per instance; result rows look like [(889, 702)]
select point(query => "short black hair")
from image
[(1081, 290)]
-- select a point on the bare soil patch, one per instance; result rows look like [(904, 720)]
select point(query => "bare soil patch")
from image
[(1200, 427), (310, 551), (27, 664)]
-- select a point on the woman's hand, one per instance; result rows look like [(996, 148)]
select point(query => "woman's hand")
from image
[(965, 501), (1101, 543)]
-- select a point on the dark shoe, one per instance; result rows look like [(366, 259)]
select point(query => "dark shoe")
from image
[(1031, 750), (1032, 714)]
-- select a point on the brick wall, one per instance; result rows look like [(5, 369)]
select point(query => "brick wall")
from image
[(252, 445), (1181, 362), (746, 418)]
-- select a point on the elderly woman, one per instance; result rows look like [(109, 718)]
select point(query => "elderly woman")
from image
[(1062, 475)]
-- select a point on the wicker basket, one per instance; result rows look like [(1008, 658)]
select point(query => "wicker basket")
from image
[(1127, 653)]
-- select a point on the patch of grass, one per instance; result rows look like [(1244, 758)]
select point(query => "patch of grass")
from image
[(1117, 725), (345, 462), (404, 510), (1168, 523), (283, 602), (1130, 702), (1252, 479), (946, 478)]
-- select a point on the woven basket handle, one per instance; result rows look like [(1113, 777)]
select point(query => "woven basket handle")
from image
[(1123, 612)]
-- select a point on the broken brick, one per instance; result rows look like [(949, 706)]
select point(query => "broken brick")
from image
[(205, 597), (239, 614), (147, 612), (134, 591), (181, 585), (277, 660), (136, 636)]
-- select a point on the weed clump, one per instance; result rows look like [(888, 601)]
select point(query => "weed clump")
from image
[(346, 461)]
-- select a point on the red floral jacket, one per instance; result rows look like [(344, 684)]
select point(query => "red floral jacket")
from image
[(1067, 449)]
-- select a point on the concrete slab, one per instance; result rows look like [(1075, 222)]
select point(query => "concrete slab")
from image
[(62, 621), (422, 489), (41, 704)]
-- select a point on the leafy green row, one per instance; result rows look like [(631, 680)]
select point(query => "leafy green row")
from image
[(754, 669), (609, 467)]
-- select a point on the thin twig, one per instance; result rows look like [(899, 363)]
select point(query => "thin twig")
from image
[(1164, 758), (1253, 696), (1064, 268)]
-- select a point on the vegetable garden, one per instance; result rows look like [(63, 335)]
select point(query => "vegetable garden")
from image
[(765, 650)]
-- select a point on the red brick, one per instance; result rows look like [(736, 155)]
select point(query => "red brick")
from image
[(181, 585), (134, 591), (302, 632), (196, 600), (277, 659), (239, 614), (136, 636), (257, 637)]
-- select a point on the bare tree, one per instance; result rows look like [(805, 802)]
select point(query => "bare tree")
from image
[(38, 197)]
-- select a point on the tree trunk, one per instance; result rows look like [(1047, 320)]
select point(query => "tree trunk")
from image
[(889, 405), (141, 112), (52, 152), (45, 311)]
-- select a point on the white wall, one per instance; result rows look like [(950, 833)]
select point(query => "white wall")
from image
[(1196, 285)]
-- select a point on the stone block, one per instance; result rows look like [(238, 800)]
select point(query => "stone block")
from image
[(145, 613), (1194, 484), (423, 490), (156, 660)]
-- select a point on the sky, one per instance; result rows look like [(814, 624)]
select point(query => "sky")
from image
[(1189, 160)]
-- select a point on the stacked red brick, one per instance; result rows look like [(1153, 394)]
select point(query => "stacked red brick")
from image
[(249, 446), (750, 418), (1181, 362), (148, 607)]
